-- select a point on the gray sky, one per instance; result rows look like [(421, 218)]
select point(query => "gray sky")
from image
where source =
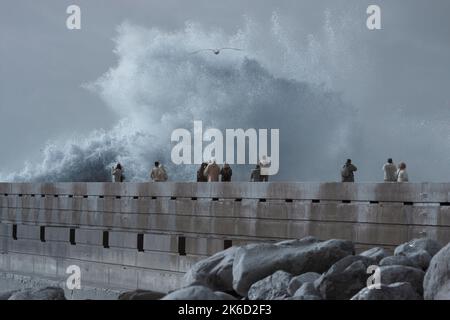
[(43, 65)]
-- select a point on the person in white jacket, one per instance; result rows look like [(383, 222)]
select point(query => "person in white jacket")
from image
[(390, 171), (402, 175)]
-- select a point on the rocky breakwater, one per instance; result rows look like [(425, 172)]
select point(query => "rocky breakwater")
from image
[(309, 269)]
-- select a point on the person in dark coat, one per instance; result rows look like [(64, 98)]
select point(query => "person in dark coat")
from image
[(347, 172), (226, 173), (201, 173)]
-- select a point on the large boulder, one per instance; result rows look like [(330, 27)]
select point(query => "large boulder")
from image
[(419, 250), (393, 274), (298, 281), (377, 254), (345, 278), (196, 293), (270, 288), (394, 291), (141, 295), (48, 293), (437, 279), (399, 261), (214, 272), (307, 291), (256, 261)]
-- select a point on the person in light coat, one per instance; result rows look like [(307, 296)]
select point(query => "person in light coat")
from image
[(158, 173), (117, 173), (212, 171), (390, 171), (402, 175)]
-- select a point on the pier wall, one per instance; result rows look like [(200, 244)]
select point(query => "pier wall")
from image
[(146, 235)]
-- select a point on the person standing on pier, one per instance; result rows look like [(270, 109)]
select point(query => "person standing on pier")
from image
[(212, 171), (158, 173), (347, 172), (117, 173), (226, 172), (402, 175), (256, 174), (390, 171), (201, 173), (264, 165)]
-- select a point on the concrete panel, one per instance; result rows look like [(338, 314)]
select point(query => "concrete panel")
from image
[(57, 234), (28, 232)]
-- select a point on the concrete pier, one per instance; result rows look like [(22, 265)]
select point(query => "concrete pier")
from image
[(146, 235)]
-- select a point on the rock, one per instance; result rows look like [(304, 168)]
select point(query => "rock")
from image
[(377, 254), (298, 281), (254, 262), (419, 250), (399, 261), (394, 291), (393, 274), (6, 295), (214, 272), (224, 296), (437, 279), (270, 288), (48, 293), (141, 295), (345, 278), (307, 292), (194, 293)]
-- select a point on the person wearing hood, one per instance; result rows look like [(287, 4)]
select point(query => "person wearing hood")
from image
[(117, 173), (201, 173), (226, 172), (212, 171)]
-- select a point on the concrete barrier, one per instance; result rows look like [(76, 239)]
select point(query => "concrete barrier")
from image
[(146, 235)]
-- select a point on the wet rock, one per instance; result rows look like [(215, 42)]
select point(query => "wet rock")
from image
[(195, 293), (394, 291), (270, 288), (256, 261), (141, 295), (419, 250), (393, 274), (214, 272), (399, 261), (377, 254), (298, 281), (345, 278), (48, 293), (437, 279)]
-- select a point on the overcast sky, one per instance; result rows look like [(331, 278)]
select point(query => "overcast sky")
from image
[(43, 64)]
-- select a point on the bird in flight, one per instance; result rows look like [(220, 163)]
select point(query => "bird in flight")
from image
[(216, 51)]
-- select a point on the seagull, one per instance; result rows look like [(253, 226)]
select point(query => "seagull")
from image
[(217, 51)]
